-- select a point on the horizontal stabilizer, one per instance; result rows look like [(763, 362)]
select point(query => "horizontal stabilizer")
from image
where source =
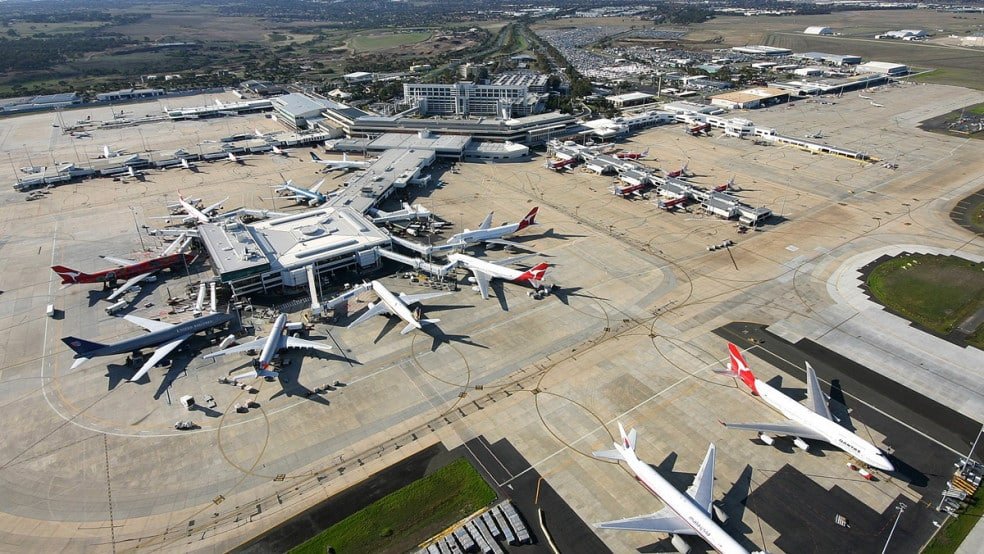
[(613, 455)]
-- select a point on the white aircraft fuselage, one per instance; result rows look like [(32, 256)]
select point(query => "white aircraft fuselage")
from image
[(395, 305), (493, 270), (480, 235), (833, 432), (683, 505), (272, 344)]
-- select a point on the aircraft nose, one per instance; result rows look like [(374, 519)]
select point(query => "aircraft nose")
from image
[(884, 464)]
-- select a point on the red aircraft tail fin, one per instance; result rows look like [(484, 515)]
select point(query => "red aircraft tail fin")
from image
[(739, 367), (68, 275), (529, 219), (535, 273)]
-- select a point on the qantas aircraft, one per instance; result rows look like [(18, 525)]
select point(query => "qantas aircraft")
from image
[(632, 155), (684, 514), (493, 235), (682, 172), (484, 271), (805, 422), (276, 341), (131, 270)]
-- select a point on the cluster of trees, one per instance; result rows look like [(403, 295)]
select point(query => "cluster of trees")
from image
[(43, 53), (360, 14)]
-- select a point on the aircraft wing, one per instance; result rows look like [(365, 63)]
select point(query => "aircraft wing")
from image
[(409, 299), (789, 428), (482, 280), (817, 399), (503, 242), (292, 342), (148, 324), (663, 521), (702, 489), (213, 207), (119, 261), (127, 285), (159, 354), (251, 345), (376, 309)]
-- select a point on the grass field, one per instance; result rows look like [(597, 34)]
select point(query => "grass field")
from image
[(403, 519), (937, 292), (948, 539), (370, 43)]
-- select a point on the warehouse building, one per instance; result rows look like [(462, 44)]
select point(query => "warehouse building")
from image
[(769, 51), (750, 98), (42, 102), (823, 31), (631, 99), (829, 59), (884, 68), (128, 94)]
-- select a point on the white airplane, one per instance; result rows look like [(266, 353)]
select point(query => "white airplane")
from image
[(392, 304), (185, 164), (108, 153), (276, 341), (813, 422), (876, 104), (194, 215), (278, 151), (407, 212), (301, 195), (175, 247), (343, 164), (493, 235), (684, 514), (483, 272), (236, 159)]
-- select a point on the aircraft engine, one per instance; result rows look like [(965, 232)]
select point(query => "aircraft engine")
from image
[(801, 444), (680, 544), (476, 289), (472, 280), (719, 514), (766, 439)]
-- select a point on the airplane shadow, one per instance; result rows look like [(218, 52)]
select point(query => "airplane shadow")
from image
[(679, 479), (565, 293), (838, 407), (796, 394), (439, 337), (905, 472), (117, 374), (178, 366), (290, 384)]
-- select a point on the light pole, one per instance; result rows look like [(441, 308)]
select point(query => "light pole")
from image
[(901, 508), (973, 446), (137, 228)]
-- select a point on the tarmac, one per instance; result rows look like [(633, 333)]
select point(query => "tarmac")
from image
[(92, 463)]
